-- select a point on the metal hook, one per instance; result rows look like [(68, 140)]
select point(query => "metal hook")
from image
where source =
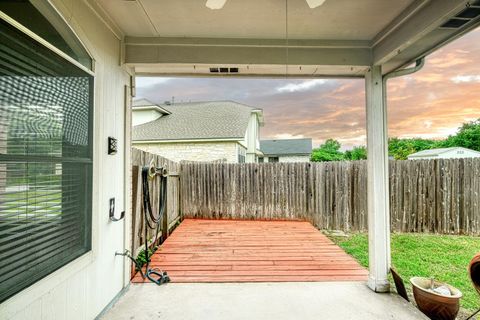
[(111, 211), (153, 171)]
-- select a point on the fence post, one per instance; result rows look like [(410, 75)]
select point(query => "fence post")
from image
[(165, 216)]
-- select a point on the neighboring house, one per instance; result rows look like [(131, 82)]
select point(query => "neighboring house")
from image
[(286, 150), (444, 153), (146, 111), (198, 131)]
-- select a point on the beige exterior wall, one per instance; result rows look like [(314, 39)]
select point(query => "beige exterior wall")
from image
[(144, 116), (85, 286), (195, 151)]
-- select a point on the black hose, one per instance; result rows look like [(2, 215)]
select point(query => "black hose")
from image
[(147, 206), (149, 215), (473, 314)]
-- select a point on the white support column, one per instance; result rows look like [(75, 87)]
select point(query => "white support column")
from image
[(378, 184)]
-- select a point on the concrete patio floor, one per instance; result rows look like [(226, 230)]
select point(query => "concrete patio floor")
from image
[(286, 300)]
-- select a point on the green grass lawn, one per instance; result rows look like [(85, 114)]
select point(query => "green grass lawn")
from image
[(445, 258)]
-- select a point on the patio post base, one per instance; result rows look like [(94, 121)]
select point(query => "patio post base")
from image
[(379, 286)]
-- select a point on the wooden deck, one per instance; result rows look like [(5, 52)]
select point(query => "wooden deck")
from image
[(252, 251)]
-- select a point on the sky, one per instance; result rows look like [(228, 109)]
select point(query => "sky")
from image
[(431, 103)]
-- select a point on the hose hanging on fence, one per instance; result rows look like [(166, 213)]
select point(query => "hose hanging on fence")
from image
[(147, 206), (148, 215)]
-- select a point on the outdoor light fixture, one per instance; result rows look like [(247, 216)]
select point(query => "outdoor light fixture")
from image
[(215, 4), (314, 3)]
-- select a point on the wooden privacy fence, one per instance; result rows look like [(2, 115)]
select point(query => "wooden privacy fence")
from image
[(139, 160), (440, 196)]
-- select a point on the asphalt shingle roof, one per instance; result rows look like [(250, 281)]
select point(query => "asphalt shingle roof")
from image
[(286, 146), (197, 120)]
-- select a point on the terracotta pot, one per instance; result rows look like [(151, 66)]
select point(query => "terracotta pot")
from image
[(474, 270), (433, 305)]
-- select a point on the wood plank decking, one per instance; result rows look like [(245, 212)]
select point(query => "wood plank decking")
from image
[(252, 251)]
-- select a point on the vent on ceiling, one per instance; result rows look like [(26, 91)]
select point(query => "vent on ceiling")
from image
[(223, 70), (454, 23), (471, 12)]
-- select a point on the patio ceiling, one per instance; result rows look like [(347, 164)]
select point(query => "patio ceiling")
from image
[(338, 38)]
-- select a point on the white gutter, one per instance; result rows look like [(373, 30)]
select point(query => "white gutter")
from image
[(400, 73)]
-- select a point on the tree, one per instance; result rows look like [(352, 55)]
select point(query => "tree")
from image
[(357, 153), (401, 148), (468, 136), (329, 151)]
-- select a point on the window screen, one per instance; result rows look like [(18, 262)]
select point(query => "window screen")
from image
[(32, 15), (45, 161), (241, 158)]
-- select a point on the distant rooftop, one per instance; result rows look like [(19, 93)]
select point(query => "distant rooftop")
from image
[(196, 120), (286, 147), (436, 152), (145, 104)]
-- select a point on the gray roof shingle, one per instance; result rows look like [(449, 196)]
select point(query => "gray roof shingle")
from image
[(197, 120), (286, 147)]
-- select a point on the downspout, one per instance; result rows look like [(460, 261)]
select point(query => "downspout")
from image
[(419, 63), (400, 73)]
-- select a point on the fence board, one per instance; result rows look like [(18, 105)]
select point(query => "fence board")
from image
[(439, 196), (140, 159)]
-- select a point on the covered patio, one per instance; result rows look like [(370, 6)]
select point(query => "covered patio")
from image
[(373, 40), (244, 269), (108, 43)]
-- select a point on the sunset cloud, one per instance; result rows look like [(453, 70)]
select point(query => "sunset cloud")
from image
[(469, 78), (302, 86), (288, 136)]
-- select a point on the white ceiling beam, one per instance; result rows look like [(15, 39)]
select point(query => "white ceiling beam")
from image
[(246, 51), (241, 42), (413, 8), (432, 15)]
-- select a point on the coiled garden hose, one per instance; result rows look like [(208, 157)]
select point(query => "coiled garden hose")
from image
[(152, 221)]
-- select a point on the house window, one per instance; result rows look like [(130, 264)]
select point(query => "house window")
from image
[(272, 159), (260, 160), (241, 154), (46, 107)]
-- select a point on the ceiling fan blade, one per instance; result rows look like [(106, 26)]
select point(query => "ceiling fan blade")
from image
[(314, 3), (215, 4)]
